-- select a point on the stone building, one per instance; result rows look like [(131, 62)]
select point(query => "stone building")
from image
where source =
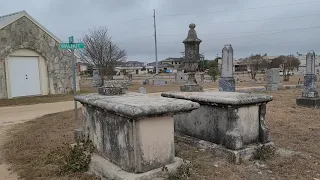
[(31, 62)]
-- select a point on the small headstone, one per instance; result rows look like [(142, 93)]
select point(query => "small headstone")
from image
[(273, 79), (96, 79), (142, 90), (159, 82), (111, 90), (145, 82)]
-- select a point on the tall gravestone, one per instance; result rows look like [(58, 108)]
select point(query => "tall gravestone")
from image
[(96, 79), (191, 60), (310, 96), (227, 82), (273, 79)]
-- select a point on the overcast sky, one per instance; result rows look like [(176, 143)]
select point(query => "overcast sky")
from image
[(251, 26)]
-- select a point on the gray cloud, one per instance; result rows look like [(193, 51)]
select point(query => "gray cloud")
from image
[(130, 23)]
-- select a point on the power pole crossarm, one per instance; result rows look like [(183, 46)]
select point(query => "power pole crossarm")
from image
[(155, 40)]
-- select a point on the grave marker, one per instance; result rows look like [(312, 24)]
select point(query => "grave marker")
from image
[(227, 82), (310, 96)]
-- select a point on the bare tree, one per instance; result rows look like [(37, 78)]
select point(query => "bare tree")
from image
[(286, 64), (256, 63), (100, 51)]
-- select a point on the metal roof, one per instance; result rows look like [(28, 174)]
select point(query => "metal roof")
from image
[(10, 18)]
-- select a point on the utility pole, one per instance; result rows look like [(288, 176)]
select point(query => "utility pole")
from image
[(155, 39)]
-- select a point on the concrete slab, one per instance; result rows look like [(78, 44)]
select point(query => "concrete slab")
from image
[(107, 170), (308, 102), (233, 156)]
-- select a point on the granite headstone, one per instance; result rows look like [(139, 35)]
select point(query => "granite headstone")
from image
[(227, 82), (273, 79)]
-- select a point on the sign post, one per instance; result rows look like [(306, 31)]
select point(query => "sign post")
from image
[(72, 46)]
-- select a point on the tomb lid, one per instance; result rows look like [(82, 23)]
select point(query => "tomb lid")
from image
[(227, 98), (137, 105)]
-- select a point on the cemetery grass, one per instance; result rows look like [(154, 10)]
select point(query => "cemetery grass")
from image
[(35, 147), (85, 87)]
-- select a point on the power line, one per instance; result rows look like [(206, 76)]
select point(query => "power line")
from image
[(264, 34), (290, 17), (245, 9), (281, 42), (133, 20), (268, 33)]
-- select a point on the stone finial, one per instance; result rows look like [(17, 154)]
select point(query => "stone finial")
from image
[(310, 63), (192, 35)]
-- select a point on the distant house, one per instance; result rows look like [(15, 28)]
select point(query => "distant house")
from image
[(169, 65), (31, 62), (131, 67), (163, 67), (82, 66), (177, 63)]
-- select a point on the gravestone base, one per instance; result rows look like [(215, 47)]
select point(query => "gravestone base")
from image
[(191, 88), (308, 102), (233, 156), (107, 170), (227, 84), (273, 87), (310, 86)]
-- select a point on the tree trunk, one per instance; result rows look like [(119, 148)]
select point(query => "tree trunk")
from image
[(285, 75), (102, 73), (253, 75)]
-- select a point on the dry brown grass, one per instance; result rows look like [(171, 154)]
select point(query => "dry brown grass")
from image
[(32, 146), (35, 148), (85, 87)]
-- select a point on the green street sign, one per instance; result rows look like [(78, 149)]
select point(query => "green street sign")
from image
[(71, 39), (71, 45)]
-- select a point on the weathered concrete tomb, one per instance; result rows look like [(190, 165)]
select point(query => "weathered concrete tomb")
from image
[(133, 134), (228, 122)]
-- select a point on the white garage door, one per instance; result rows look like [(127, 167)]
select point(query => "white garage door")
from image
[(24, 76)]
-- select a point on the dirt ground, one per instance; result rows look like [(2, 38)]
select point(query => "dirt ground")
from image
[(19, 114), (85, 87), (34, 148)]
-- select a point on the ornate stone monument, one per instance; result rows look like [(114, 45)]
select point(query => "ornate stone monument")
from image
[(191, 60), (96, 79), (310, 96), (227, 82)]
